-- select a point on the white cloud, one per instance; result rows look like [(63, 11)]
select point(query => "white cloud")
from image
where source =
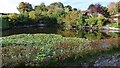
[(7, 6)]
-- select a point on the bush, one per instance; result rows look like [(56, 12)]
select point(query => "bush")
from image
[(4, 23), (117, 25)]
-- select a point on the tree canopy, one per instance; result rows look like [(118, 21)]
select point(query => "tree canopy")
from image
[(114, 7), (24, 7), (57, 13)]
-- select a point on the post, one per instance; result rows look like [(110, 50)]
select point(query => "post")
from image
[(0, 41)]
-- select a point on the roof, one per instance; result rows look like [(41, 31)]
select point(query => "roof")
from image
[(116, 15)]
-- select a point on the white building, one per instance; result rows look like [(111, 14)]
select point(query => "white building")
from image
[(116, 17)]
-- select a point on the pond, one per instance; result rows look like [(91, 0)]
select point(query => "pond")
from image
[(88, 34)]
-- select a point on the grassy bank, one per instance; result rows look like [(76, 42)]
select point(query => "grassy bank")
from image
[(50, 49)]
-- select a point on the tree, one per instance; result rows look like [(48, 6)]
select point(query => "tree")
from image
[(4, 23), (97, 8), (35, 15), (80, 21), (104, 11), (24, 7), (68, 8), (114, 7), (23, 18), (41, 7), (60, 19), (55, 8), (118, 6), (13, 18), (74, 9), (90, 6), (100, 20), (71, 18), (92, 20), (57, 4)]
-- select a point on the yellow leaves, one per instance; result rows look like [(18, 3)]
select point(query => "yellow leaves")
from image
[(12, 17), (32, 15), (68, 33), (24, 6), (71, 18), (100, 16), (67, 10), (35, 15)]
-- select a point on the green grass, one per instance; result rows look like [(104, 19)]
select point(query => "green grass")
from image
[(51, 49), (116, 25)]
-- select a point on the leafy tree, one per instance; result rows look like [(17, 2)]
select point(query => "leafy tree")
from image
[(97, 8), (68, 8), (41, 7), (80, 21), (92, 20), (24, 7), (104, 11), (13, 18), (70, 18), (91, 5), (4, 23), (100, 20), (118, 6), (60, 20), (73, 16), (57, 13), (23, 18), (35, 15), (53, 10), (57, 4), (52, 21), (114, 7), (74, 9)]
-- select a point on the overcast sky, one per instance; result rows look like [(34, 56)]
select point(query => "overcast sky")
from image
[(10, 6)]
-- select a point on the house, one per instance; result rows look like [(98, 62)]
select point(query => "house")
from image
[(86, 12), (116, 17)]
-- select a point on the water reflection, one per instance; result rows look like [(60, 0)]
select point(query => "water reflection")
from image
[(104, 44), (32, 30), (89, 34)]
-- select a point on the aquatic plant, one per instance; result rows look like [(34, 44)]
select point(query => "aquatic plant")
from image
[(51, 49)]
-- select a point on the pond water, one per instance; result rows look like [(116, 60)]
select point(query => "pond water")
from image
[(89, 34)]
